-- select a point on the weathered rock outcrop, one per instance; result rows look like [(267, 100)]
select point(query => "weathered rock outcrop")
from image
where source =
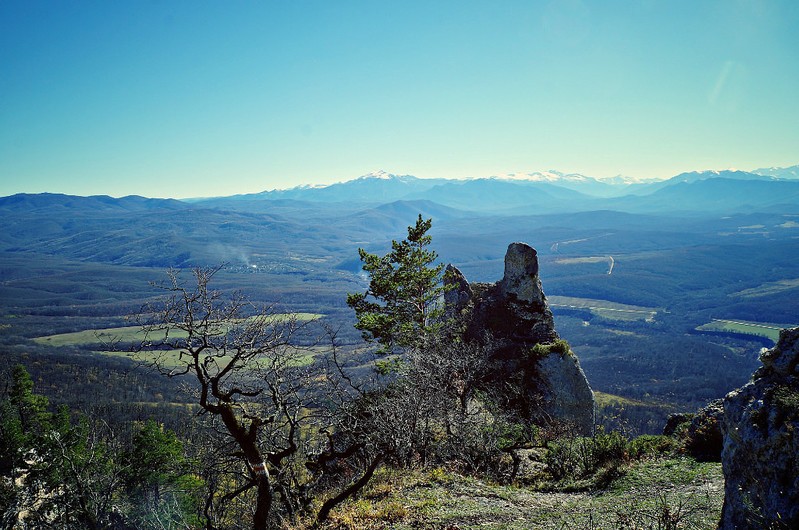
[(761, 443), (541, 383)]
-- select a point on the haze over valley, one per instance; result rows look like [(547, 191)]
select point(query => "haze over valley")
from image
[(667, 290)]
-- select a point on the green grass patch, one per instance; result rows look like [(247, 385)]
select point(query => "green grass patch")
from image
[(605, 308), (587, 259), (760, 329), (769, 288), (604, 400), (125, 334), (171, 358), (669, 473)]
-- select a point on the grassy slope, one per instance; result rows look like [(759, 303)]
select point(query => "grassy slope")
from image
[(651, 494)]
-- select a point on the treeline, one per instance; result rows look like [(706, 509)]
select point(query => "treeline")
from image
[(661, 362), (67, 469), (84, 380)]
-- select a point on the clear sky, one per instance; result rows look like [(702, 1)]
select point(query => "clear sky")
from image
[(200, 98)]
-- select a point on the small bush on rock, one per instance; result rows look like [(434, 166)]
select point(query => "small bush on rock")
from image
[(541, 350)]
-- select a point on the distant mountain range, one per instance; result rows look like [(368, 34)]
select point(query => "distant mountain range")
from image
[(547, 192), (381, 186), (374, 187), (164, 232), (600, 187), (55, 202), (697, 192)]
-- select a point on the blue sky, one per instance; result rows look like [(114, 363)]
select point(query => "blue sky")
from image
[(196, 98)]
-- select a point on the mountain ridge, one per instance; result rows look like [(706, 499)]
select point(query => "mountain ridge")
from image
[(555, 190), (699, 192)]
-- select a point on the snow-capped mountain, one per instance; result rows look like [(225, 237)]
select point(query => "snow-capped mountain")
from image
[(625, 180), (384, 175), (733, 174), (571, 181), (538, 191), (378, 186), (779, 172), (697, 176), (550, 176)]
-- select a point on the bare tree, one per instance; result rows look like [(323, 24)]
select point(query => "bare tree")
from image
[(225, 343), (275, 422)]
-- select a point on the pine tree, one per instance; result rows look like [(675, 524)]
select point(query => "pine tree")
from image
[(403, 303)]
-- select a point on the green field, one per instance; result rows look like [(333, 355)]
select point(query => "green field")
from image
[(123, 335), (761, 329), (126, 334), (115, 342), (769, 288), (171, 358), (603, 400), (605, 308), (589, 259)]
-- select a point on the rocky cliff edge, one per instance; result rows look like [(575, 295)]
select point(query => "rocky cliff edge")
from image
[(760, 457)]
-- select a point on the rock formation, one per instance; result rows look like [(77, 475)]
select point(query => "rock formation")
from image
[(760, 457), (531, 371)]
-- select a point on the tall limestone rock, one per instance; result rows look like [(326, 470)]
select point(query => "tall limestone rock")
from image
[(541, 383), (760, 457)]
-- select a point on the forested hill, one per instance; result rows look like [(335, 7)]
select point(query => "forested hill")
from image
[(668, 307)]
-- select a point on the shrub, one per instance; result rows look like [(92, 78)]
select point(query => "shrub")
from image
[(581, 457), (786, 402), (560, 346), (703, 439), (542, 349), (651, 445), (609, 449)]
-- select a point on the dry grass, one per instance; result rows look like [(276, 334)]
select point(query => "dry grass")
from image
[(665, 493)]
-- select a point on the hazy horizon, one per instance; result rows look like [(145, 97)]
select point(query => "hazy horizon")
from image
[(377, 173)]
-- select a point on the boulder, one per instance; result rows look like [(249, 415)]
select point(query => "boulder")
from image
[(760, 456), (531, 371)]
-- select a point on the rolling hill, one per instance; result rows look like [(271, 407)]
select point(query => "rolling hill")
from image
[(685, 251)]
